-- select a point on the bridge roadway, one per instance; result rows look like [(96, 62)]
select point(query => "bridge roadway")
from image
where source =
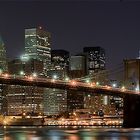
[(66, 85), (131, 98)]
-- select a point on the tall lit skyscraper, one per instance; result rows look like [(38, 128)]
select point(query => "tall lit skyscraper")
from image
[(95, 59), (3, 68), (37, 45), (3, 62)]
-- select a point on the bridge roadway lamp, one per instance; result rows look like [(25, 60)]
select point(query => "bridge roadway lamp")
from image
[(34, 74), (22, 73), (123, 88), (67, 79), (55, 77), (88, 81), (97, 83), (137, 89), (114, 85)]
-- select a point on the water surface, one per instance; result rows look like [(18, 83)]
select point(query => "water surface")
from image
[(73, 133)]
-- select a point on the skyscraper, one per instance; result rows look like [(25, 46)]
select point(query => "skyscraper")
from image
[(95, 59), (3, 68), (77, 68), (3, 62), (60, 63), (37, 45), (55, 100)]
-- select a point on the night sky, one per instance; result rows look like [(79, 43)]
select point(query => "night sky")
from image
[(113, 25)]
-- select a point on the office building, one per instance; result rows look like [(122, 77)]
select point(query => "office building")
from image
[(37, 46), (3, 59), (77, 67), (24, 99), (3, 69), (55, 101), (60, 64), (95, 59)]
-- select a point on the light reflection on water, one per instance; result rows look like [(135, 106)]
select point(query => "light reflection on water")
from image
[(54, 133)]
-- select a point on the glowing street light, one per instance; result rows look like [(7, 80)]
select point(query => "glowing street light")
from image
[(34, 74), (97, 83), (114, 85), (136, 89), (6, 75), (67, 79), (22, 73), (87, 81), (55, 76), (123, 88)]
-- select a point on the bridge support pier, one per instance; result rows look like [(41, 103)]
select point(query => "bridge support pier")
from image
[(131, 111)]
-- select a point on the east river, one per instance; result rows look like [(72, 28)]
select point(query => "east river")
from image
[(73, 133)]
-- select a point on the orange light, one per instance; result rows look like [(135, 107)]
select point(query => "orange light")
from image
[(53, 80), (108, 87), (30, 78), (6, 75), (73, 83)]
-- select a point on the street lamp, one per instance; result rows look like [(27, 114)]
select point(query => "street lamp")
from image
[(34, 74), (114, 85), (97, 83), (22, 73), (67, 79), (55, 76)]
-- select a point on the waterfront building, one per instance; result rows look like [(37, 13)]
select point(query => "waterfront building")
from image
[(55, 100), (75, 100), (25, 99)]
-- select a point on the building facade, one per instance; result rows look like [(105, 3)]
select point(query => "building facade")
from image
[(77, 66), (60, 64), (95, 59), (55, 100), (3, 59), (3, 69), (24, 99), (37, 46)]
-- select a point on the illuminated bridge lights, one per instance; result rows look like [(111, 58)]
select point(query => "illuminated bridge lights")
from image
[(30, 78), (123, 88), (73, 83), (5, 78), (6, 75)]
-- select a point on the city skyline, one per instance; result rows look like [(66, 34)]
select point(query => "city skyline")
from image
[(74, 25)]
